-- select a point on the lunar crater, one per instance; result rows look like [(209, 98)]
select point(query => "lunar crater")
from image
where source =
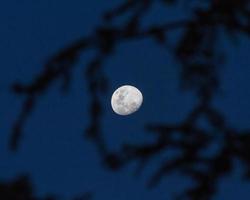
[(126, 100)]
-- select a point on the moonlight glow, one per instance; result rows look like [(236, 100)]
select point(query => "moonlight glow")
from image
[(126, 100)]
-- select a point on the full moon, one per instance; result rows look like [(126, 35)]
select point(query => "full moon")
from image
[(126, 100)]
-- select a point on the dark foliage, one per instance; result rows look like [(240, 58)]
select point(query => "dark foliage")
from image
[(199, 57)]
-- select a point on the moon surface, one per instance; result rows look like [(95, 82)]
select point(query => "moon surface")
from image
[(126, 100)]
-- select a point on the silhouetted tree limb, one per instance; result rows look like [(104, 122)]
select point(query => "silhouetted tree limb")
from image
[(199, 57), (61, 65), (21, 188)]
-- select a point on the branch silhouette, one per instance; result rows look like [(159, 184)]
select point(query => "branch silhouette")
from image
[(199, 57), (21, 188)]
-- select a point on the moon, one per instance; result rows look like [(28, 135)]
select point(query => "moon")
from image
[(126, 100)]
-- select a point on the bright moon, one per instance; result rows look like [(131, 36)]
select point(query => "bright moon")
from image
[(126, 100)]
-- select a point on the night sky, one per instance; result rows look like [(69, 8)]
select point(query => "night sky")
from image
[(53, 151)]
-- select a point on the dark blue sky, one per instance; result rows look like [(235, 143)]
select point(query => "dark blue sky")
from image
[(58, 159)]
